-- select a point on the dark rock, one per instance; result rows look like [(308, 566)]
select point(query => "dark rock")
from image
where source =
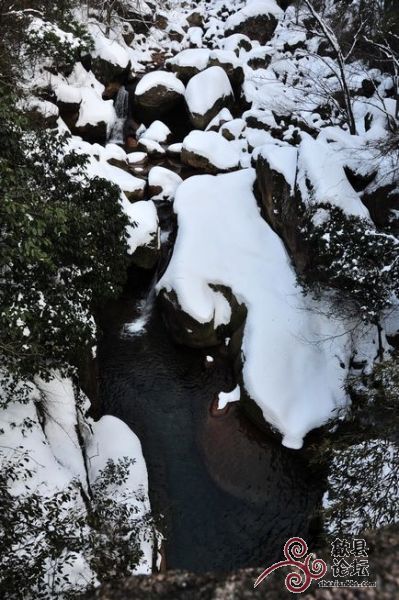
[(187, 331), (383, 558), (157, 101), (201, 163), (146, 257), (195, 19), (282, 211), (381, 203), (94, 134), (260, 28), (107, 72)]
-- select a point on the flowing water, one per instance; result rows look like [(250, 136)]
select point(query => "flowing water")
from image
[(230, 496), (121, 104)]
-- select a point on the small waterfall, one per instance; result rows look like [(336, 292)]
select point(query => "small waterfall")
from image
[(121, 105), (144, 311)]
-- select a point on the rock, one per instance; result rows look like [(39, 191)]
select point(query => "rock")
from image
[(92, 133), (281, 206), (161, 21), (239, 585), (228, 61), (151, 148), (111, 90), (195, 19), (144, 241), (224, 116), (41, 113), (257, 20), (383, 205), (107, 72), (157, 93), (236, 42), (188, 332), (206, 94), (174, 150), (259, 58), (233, 129), (210, 152), (188, 63), (163, 183), (158, 132)]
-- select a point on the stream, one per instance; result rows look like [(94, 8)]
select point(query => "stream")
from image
[(230, 496)]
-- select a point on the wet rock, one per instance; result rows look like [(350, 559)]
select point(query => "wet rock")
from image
[(206, 94), (189, 332), (111, 90)]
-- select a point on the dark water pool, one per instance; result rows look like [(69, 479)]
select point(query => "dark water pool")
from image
[(230, 496)]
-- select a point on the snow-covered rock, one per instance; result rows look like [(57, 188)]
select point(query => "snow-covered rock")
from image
[(158, 92), (188, 63), (144, 240), (257, 20), (157, 132), (289, 369), (210, 152), (206, 94), (163, 183)]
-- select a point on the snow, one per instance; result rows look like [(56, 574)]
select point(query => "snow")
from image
[(151, 147), (159, 78), (113, 439), (165, 179), (144, 218), (109, 50), (319, 164), (126, 182), (222, 117), (136, 157), (206, 88), (94, 110), (226, 397), (191, 57), (214, 147), (282, 159), (157, 132), (291, 350), (254, 8), (113, 151)]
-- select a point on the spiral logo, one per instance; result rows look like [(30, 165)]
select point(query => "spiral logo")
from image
[(311, 568)]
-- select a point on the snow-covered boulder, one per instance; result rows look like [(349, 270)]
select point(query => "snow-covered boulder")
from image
[(158, 92), (229, 62), (150, 147), (237, 42), (188, 63), (224, 116), (233, 130), (163, 183), (210, 152), (295, 359), (206, 94), (144, 238), (110, 59), (257, 20), (157, 132)]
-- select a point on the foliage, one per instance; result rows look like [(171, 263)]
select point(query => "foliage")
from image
[(63, 249), (352, 257), (51, 534), (362, 455)]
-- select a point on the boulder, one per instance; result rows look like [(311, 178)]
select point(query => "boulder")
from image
[(158, 132), (187, 331), (206, 94), (237, 42), (229, 62), (163, 183), (157, 93), (209, 152), (188, 63), (280, 205), (257, 20)]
